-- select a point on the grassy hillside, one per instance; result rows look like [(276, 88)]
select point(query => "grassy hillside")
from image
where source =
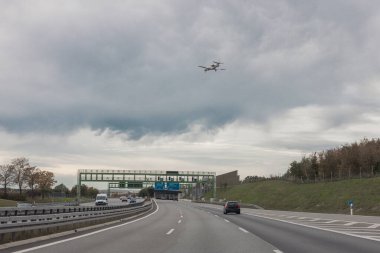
[(329, 197)]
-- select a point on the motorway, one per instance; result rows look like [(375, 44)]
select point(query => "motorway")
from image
[(188, 227), (113, 202)]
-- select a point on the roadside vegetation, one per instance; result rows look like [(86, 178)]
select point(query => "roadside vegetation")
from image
[(324, 197), (22, 182), (321, 182), (356, 160)]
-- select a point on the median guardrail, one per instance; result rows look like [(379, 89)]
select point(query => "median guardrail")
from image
[(23, 223), (41, 210)]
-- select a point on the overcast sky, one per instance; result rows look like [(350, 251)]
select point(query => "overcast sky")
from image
[(115, 84)]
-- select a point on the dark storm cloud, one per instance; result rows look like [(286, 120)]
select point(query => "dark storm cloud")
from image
[(131, 66)]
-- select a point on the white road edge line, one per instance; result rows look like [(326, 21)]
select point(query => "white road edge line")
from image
[(277, 251), (85, 235), (179, 221), (242, 229), (226, 220), (324, 229)]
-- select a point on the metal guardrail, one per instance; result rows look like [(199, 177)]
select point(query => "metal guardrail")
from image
[(71, 214), (43, 210), (32, 222)]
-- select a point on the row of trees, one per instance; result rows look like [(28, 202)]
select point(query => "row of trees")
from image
[(352, 160), (85, 191), (20, 173)]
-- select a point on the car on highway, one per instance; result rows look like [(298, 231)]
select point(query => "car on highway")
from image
[(101, 199), (124, 198), (231, 207)]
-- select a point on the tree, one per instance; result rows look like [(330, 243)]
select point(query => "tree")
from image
[(31, 175), (20, 166), (61, 188), (85, 191), (350, 160), (92, 192), (146, 192), (6, 177), (296, 170), (314, 165), (45, 181)]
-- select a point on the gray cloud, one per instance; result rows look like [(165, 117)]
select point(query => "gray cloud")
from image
[(131, 67)]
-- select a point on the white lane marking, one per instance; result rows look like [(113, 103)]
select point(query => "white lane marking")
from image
[(301, 218), (331, 221), (179, 221), (242, 229), (216, 215), (226, 220), (374, 226), (85, 235), (315, 219), (170, 231), (181, 216), (323, 229), (350, 223), (277, 251)]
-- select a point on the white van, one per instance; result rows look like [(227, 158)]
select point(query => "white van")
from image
[(101, 199)]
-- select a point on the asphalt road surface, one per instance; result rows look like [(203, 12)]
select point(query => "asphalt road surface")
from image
[(187, 227), (113, 202)]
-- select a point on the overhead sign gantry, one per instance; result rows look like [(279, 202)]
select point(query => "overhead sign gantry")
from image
[(144, 178)]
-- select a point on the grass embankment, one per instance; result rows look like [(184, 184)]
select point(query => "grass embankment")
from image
[(329, 197), (7, 203)]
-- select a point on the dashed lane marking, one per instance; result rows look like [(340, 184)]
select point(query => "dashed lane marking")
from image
[(179, 221), (277, 251), (170, 231), (226, 220), (242, 229)]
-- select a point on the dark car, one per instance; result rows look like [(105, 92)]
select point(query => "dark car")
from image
[(231, 207)]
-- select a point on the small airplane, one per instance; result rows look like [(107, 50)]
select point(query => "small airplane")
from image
[(215, 66)]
